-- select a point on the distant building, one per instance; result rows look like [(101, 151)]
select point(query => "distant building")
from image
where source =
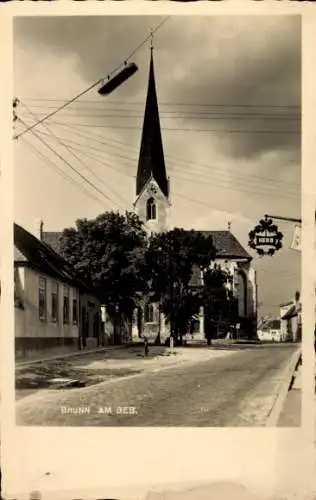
[(291, 320), (152, 205), (270, 331), (54, 310)]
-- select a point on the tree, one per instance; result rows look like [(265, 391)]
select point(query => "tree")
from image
[(220, 306), (108, 253), (173, 257)]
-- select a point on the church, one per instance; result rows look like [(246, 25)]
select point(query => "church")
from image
[(152, 204)]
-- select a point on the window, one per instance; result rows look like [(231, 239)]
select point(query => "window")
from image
[(66, 305), (149, 313), (75, 311), (55, 307), (151, 209), (42, 299)]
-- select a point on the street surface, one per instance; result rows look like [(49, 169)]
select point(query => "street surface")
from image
[(237, 388)]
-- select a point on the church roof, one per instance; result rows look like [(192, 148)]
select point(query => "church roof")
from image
[(227, 246), (151, 161), (52, 238)]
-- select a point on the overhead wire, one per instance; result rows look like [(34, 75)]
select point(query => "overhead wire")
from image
[(67, 162), (221, 182), (50, 163), (174, 114), (73, 153), (109, 142), (242, 179), (183, 129), (164, 103), (93, 85)]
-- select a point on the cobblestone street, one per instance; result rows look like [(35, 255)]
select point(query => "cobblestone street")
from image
[(229, 387)]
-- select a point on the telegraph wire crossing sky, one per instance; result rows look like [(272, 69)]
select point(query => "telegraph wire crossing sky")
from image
[(230, 118)]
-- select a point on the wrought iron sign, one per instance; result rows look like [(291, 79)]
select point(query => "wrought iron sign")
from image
[(265, 238)]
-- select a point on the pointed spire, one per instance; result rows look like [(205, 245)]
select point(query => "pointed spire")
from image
[(151, 161)]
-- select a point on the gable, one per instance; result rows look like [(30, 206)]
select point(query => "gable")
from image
[(146, 192)]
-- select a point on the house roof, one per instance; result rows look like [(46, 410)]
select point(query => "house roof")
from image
[(292, 311), (287, 304), (31, 252), (151, 161)]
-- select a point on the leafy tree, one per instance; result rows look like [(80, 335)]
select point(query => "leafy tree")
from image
[(108, 253), (172, 258), (220, 306)]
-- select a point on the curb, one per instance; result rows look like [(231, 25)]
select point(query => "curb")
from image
[(20, 364), (285, 386)]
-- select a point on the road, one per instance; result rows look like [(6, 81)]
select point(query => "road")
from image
[(235, 390)]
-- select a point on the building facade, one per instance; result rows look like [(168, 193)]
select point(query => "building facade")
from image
[(152, 205), (291, 320), (54, 312)]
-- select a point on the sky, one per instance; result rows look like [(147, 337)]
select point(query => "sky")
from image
[(229, 91)]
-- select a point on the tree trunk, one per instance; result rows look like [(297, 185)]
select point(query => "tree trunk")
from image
[(158, 338), (180, 338), (140, 321)]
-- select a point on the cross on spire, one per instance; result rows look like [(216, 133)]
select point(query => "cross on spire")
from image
[(151, 40)]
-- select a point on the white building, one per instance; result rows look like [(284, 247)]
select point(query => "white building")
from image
[(54, 311)]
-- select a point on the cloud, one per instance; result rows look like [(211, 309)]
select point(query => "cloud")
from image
[(226, 61), (210, 72)]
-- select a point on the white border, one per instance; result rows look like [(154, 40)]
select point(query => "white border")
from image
[(159, 454)]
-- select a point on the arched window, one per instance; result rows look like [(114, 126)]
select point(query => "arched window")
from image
[(151, 209), (149, 313)]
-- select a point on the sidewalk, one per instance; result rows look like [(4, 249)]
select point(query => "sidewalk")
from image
[(66, 355), (291, 412)]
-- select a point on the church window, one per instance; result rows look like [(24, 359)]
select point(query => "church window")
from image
[(151, 209), (149, 313)]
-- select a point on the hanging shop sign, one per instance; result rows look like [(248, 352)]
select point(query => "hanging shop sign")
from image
[(297, 239), (265, 238)]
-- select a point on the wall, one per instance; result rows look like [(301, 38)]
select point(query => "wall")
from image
[(161, 222), (32, 334), (237, 269)]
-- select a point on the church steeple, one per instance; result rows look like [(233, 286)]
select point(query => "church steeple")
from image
[(151, 163)]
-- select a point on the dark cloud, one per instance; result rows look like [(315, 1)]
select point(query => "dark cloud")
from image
[(227, 61)]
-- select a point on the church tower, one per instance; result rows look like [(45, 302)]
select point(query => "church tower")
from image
[(152, 185)]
